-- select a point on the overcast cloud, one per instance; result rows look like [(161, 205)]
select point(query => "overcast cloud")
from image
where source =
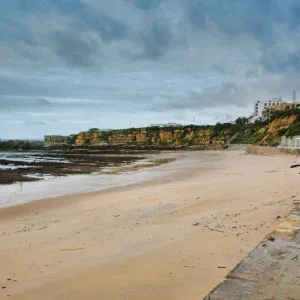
[(69, 65)]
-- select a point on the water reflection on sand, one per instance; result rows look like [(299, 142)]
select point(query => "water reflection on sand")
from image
[(52, 187)]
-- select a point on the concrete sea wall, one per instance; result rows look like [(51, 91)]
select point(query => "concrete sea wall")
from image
[(262, 150), (271, 270)]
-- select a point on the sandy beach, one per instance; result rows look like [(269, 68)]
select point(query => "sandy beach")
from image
[(174, 237)]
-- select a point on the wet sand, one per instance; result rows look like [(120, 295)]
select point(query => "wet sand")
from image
[(16, 167), (171, 238), (109, 177)]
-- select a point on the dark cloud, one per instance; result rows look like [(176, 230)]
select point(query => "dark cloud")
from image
[(34, 123), (294, 19), (256, 18), (275, 62), (146, 4), (156, 39), (29, 6), (226, 94), (77, 58), (23, 104), (72, 30), (42, 102), (84, 32), (108, 27), (29, 86), (197, 12), (17, 86), (76, 48)]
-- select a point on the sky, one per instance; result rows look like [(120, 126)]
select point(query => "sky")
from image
[(70, 65)]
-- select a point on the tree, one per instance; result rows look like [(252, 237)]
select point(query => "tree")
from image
[(241, 120), (94, 129)]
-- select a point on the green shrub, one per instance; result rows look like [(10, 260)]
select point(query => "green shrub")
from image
[(282, 131), (87, 142), (258, 137), (294, 129), (219, 127), (94, 129), (285, 113)]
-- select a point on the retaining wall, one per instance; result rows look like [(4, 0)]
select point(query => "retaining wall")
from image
[(262, 150), (237, 147)]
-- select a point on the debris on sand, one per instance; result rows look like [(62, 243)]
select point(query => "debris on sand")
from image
[(72, 249), (295, 166)]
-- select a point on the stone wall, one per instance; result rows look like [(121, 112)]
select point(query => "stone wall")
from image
[(237, 147)]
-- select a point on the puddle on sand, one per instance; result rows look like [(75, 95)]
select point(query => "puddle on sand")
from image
[(19, 193)]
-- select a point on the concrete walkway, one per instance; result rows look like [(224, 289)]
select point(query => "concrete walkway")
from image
[(271, 271)]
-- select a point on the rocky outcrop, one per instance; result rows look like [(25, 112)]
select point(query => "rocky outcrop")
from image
[(19, 145)]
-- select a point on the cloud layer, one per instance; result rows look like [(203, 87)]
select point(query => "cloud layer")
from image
[(68, 65)]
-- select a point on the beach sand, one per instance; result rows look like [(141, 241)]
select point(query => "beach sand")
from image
[(172, 238)]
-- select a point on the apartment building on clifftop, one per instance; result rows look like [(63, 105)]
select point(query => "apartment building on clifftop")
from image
[(260, 107)]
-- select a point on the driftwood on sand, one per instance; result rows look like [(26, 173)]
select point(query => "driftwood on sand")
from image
[(295, 166)]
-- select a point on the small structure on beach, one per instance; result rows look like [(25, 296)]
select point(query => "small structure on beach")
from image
[(290, 142), (54, 140)]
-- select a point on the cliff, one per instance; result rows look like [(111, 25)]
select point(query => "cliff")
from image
[(195, 137), (53, 140), (269, 133), (153, 137)]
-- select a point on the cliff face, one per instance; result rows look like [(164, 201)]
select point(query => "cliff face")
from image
[(201, 137), (89, 138), (53, 140), (157, 137), (272, 132)]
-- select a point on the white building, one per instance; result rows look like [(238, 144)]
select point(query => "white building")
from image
[(290, 142), (166, 125), (260, 107)]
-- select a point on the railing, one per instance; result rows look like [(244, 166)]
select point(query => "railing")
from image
[(230, 140)]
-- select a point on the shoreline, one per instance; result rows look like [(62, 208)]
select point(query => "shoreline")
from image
[(153, 240), (42, 204), (20, 167), (146, 170)]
